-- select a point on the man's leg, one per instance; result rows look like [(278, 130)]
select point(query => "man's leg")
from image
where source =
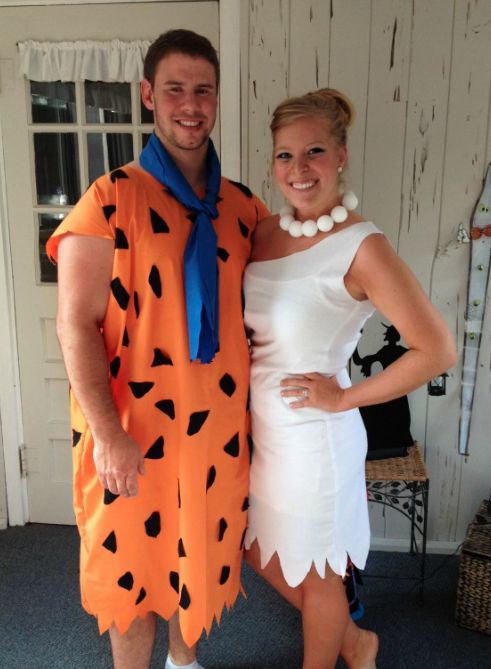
[(178, 651), (133, 649)]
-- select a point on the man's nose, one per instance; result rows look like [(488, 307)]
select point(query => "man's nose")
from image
[(190, 101)]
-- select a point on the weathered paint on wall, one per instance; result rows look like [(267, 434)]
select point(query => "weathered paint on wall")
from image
[(419, 75)]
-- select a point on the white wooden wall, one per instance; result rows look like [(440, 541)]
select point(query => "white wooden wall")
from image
[(419, 75)]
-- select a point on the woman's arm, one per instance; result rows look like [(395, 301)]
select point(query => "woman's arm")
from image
[(378, 273)]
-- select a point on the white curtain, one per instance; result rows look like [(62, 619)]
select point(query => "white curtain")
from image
[(83, 60)]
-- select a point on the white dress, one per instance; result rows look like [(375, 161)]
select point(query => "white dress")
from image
[(307, 481)]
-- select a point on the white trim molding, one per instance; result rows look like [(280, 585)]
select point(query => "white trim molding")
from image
[(230, 101), (10, 401)]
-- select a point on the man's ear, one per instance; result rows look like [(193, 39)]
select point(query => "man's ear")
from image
[(146, 93)]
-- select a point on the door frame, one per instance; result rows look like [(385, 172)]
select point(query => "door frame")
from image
[(13, 487)]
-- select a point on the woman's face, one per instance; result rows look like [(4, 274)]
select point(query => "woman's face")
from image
[(305, 166)]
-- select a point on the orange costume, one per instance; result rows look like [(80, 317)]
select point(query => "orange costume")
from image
[(178, 544)]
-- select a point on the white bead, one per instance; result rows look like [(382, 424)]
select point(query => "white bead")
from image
[(325, 223), (286, 210), (350, 201), (286, 221), (309, 228), (339, 214), (295, 229)]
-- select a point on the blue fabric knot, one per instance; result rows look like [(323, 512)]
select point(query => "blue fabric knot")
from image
[(200, 256)]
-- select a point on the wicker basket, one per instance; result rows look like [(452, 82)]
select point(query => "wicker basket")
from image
[(473, 609)]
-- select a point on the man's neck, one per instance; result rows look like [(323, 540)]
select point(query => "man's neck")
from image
[(192, 164)]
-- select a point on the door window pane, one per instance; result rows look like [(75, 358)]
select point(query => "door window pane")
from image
[(53, 102), (145, 138), (108, 150), (47, 224), (57, 168), (107, 103)]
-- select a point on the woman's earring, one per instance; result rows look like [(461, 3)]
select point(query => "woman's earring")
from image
[(340, 169)]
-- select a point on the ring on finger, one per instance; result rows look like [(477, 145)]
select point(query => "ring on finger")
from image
[(305, 393)]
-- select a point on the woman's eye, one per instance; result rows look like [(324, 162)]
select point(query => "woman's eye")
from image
[(316, 149), (283, 156)]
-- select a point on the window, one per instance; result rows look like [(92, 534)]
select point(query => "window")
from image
[(85, 119)]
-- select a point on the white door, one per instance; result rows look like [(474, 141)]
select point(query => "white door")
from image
[(56, 138)]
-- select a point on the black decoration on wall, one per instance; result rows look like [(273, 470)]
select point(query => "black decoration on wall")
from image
[(387, 424)]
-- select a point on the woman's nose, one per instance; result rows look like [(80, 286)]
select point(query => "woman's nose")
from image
[(300, 165)]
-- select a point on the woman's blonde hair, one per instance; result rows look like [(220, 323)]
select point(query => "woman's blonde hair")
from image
[(327, 104)]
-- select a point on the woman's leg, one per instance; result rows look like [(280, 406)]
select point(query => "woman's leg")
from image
[(359, 647), (325, 616)]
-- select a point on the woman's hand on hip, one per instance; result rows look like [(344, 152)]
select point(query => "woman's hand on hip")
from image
[(313, 390)]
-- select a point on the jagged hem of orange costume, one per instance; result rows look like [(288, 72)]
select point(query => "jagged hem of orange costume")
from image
[(123, 621)]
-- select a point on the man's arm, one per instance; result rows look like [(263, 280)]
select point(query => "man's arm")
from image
[(84, 276)]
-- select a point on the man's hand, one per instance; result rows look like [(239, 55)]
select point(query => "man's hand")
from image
[(118, 464)]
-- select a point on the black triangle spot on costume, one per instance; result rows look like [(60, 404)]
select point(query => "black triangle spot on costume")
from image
[(218, 200), (224, 575), (223, 254), (232, 447), (126, 581), (160, 358), (196, 421), (120, 241), (152, 524), (75, 437), (221, 528), (141, 596), (154, 281), (114, 366), (243, 539), (250, 445), (108, 210), (245, 504), (227, 384), (118, 174), (180, 549), (192, 217), (244, 230), (242, 188), (167, 407), (126, 339), (158, 223), (174, 580), (109, 497), (212, 472), (140, 388), (110, 543), (120, 293), (156, 450), (185, 600), (136, 303)]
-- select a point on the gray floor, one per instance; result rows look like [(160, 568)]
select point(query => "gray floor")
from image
[(42, 625)]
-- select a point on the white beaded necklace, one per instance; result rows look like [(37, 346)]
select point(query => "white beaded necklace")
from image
[(324, 223)]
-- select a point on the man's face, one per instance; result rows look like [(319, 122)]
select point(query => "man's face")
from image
[(183, 100)]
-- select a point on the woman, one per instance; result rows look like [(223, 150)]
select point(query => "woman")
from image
[(317, 273)]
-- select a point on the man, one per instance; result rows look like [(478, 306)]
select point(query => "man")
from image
[(150, 323)]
